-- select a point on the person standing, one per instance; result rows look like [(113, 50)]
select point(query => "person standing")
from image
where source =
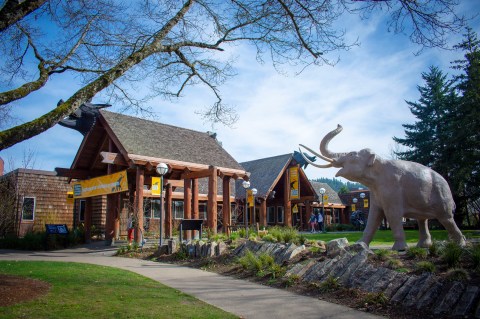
[(312, 221), (130, 229), (320, 221)]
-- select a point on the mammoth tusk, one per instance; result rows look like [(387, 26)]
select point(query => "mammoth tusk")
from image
[(312, 163), (314, 153)]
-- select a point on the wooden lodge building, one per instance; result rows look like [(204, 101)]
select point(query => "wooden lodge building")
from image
[(201, 179), (282, 199), (118, 143)]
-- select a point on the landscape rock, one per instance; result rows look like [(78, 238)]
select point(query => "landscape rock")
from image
[(337, 247)]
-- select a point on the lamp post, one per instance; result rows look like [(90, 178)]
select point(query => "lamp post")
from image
[(254, 192), (322, 192), (246, 185), (162, 169)]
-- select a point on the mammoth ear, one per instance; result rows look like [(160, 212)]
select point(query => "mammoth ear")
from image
[(371, 159)]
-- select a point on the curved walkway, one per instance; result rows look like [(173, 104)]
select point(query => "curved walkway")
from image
[(242, 298)]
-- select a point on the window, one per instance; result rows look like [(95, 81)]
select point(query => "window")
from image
[(177, 207), (202, 211), (336, 216), (151, 208), (271, 215), (280, 214), (81, 215), (28, 208)]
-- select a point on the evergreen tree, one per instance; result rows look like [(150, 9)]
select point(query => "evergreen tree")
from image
[(465, 125), (428, 138)]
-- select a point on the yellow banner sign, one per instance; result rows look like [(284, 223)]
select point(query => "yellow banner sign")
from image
[(103, 185), (250, 197), (156, 187), (365, 203), (294, 183), (70, 197)]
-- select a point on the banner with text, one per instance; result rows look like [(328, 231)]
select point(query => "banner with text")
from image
[(156, 186), (102, 185), (294, 183)]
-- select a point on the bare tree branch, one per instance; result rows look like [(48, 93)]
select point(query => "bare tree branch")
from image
[(14, 11)]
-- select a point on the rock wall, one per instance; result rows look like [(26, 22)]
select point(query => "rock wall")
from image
[(348, 263)]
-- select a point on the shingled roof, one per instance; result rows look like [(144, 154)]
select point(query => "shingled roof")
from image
[(332, 195), (263, 174), (157, 140)]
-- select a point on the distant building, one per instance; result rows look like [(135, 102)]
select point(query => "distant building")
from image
[(33, 198), (281, 200)]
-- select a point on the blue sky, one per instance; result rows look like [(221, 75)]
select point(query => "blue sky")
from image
[(365, 93)]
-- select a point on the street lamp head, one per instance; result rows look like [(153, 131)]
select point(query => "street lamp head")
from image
[(254, 191), (354, 200), (362, 195), (322, 190), (246, 184), (162, 169)]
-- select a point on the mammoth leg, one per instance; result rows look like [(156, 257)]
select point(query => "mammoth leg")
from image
[(424, 238), (394, 217), (454, 232), (375, 217)]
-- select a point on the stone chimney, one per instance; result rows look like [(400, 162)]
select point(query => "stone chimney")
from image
[(1, 166)]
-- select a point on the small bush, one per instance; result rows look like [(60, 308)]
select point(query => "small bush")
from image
[(382, 254), (434, 249), (457, 274), (374, 299), (417, 253), (329, 284), (269, 238), (425, 266), (234, 236), (451, 254), (394, 264), (262, 265)]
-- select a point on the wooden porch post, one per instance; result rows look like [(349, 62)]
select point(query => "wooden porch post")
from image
[(187, 204), (168, 211), (88, 220), (195, 207), (308, 212), (227, 214), (263, 212), (212, 200), (110, 220), (138, 212), (287, 204)]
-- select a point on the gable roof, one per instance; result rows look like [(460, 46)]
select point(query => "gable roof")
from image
[(263, 174), (153, 139), (332, 195)]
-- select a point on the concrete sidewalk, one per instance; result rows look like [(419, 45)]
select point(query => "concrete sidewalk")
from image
[(242, 298)]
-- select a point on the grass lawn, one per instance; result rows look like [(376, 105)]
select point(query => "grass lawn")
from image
[(384, 237), (90, 291)]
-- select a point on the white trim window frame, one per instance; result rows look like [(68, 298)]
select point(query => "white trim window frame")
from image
[(177, 209), (30, 206)]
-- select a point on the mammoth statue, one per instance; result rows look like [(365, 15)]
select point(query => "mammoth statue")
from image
[(397, 189)]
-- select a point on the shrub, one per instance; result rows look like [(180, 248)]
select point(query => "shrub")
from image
[(329, 284), (269, 238), (425, 266), (451, 254), (262, 265), (234, 236), (375, 299), (394, 264), (382, 254), (457, 274), (417, 252), (434, 249), (290, 234)]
